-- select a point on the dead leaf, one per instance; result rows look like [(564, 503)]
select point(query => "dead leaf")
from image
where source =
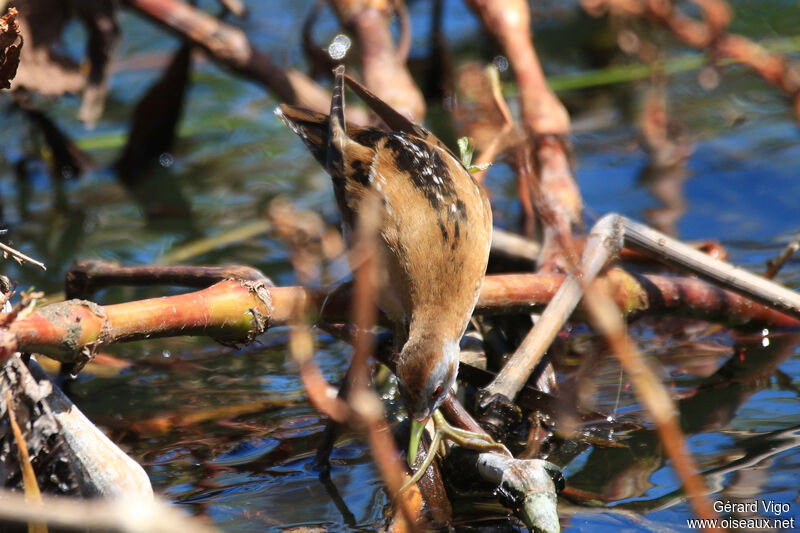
[(100, 18), (10, 46), (41, 68)]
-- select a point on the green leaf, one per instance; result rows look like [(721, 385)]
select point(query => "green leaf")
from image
[(466, 149), (477, 168)]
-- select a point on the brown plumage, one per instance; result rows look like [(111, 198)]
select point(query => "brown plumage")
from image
[(435, 231)]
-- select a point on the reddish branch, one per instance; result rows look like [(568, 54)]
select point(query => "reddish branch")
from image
[(543, 164), (710, 34), (229, 46), (84, 278), (383, 63), (509, 23), (235, 312)]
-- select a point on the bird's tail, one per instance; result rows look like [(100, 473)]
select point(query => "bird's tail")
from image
[(337, 135)]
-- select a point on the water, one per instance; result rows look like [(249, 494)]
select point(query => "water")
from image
[(253, 470)]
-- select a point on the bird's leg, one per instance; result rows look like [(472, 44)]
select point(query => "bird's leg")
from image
[(466, 439), (332, 431)]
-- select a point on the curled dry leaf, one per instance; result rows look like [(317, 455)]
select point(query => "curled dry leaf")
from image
[(44, 70), (41, 68), (477, 112), (10, 46)]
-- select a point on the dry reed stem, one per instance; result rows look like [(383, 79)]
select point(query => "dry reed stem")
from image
[(605, 316), (127, 516), (365, 312), (320, 393), (362, 399), (776, 264), (33, 496), (488, 155), (363, 408), (548, 174)]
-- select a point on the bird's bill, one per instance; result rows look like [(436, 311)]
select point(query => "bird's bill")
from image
[(416, 434)]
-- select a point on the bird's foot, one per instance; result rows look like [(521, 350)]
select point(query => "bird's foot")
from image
[(467, 439), (471, 440)]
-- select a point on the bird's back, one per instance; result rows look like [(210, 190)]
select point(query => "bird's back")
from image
[(435, 223)]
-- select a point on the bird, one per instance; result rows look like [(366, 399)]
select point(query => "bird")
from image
[(434, 234)]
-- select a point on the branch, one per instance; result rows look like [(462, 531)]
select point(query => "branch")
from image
[(19, 257), (236, 312), (228, 46)]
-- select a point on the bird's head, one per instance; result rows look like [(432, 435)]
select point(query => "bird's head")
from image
[(426, 371)]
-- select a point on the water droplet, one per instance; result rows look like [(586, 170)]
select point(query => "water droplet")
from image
[(500, 63), (166, 354), (708, 78), (339, 46)]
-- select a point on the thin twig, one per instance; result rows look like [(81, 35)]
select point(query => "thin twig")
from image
[(362, 399), (775, 264), (33, 495), (404, 45), (19, 256), (84, 278), (513, 245), (517, 370), (675, 253)]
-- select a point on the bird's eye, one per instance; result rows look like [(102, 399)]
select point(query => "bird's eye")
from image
[(436, 392)]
